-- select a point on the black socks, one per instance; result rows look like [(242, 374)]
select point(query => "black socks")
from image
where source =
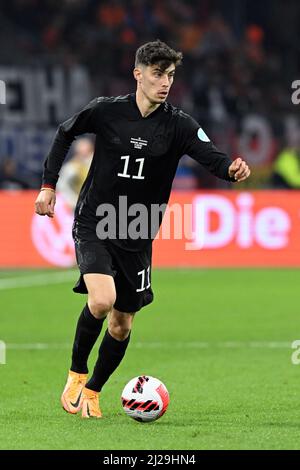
[(87, 332), (111, 353)]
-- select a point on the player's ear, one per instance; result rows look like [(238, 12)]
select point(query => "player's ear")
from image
[(137, 73)]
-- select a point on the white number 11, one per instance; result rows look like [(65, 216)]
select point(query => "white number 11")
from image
[(143, 274), (126, 163)]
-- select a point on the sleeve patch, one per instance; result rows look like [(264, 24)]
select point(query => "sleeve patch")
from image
[(202, 136)]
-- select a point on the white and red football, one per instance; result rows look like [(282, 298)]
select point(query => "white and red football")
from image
[(145, 398)]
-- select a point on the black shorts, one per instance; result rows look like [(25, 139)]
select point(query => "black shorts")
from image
[(131, 270)]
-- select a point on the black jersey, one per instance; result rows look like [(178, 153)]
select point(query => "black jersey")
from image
[(134, 156)]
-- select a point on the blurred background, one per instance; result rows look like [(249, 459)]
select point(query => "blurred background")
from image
[(239, 74), (240, 59)]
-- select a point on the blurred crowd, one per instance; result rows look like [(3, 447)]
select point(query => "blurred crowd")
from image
[(240, 56)]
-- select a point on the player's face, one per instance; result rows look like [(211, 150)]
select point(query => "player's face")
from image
[(156, 83)]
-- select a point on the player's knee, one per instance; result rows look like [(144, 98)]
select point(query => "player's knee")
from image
[(119, 331), (100, 307)]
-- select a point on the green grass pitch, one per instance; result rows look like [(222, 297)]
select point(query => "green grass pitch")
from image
[(219, 339)]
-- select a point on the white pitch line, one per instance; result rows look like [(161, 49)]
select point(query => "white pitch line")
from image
[(165, 345), (37, 346), (37, 280), (218, 344)]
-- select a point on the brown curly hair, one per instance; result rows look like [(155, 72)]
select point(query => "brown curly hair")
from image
[(157, 52)]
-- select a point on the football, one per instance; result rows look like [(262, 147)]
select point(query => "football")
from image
[(145, 398)]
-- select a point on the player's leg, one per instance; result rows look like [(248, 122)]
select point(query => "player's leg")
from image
[(133, 289), (111, 353), (101, 297), (96, 280)]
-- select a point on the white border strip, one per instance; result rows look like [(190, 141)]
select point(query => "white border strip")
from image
[(38, 280), (165, 345)]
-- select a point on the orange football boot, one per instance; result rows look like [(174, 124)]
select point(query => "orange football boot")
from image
[(90, 404), (71, 398)]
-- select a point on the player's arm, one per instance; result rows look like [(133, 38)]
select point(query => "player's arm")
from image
[(198, 146), (86, 121)]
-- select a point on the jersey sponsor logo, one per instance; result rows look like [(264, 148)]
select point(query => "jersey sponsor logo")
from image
[(202, 136), (138, 143)]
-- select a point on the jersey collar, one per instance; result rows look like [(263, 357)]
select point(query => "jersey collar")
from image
[(136, 112)]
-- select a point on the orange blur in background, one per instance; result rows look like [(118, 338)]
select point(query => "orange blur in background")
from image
[(230, 228)]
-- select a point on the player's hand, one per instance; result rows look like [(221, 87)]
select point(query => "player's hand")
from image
[(239, 170), (45, 202)]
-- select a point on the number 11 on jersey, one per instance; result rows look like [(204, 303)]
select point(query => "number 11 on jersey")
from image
[(124, 174), (143, 279)]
